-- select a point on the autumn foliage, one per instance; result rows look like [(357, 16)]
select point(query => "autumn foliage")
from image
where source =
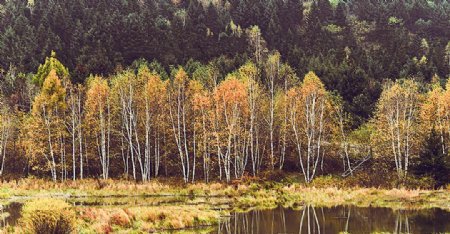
[(142, 124)]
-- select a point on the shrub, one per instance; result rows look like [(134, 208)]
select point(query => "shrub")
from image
[(121, 218), (48, 216)]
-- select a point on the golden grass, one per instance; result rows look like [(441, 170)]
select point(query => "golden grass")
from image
[(47, 216), (147, 219), (365, 197), (92, 187), (245, 195)]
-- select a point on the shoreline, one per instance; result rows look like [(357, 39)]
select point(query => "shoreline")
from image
[(243, 195), (198, 207)]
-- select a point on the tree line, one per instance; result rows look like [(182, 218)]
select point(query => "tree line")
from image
[(352, 45), (199, 125), (207, 90)]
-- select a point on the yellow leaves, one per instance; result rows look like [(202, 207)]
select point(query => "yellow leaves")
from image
[(404, 92), (396, 120), (97, 97), (98, 92), (311, 86), (274, 59), (155, 89), (51, 97), (248, 73), (200, 97), (432, 106), (181, 77)]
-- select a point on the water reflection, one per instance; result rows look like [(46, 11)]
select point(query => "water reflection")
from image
[(10, 212), (307, 219), (312, 222), (402, 223), (342, 219)]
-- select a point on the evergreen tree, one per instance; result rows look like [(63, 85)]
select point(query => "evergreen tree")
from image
[(432, 161)]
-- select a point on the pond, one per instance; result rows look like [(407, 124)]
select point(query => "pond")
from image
[(305, 219), (340, 219)]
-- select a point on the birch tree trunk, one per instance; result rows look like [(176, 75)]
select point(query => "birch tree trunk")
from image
[(4, 137)]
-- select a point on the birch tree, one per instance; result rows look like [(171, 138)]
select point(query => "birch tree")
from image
[(309, 118), (272, 73), (282, 110), (257, 42), (154, 98), (6, 128), (231, 99), (179, 112), (342, 121), (46, 124), (396, 121), (126, 89), (98, 120), (248, 74), (201, 107), (74, 126)]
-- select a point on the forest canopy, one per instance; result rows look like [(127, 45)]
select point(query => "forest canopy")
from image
[(224, 89), (352, 45)]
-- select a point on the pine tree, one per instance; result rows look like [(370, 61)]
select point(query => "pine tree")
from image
[(432, 161)]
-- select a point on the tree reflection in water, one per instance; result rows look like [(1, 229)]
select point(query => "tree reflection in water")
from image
[(313, 225), (401, 223), (309, 219)]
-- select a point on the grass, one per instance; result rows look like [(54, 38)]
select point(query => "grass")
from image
[(47, 216), (147, 219), (165, 205), (107, 188), (247, 194), (367, 197)]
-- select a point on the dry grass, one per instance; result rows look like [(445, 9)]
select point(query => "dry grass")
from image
[(105, 188), (147, 219), (365, 197), (244, 195)]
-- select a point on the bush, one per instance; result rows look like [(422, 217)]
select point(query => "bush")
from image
[(48, 216), (120, 218)]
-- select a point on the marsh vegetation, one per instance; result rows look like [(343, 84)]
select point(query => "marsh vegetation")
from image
[(220, 208), (224, 116)]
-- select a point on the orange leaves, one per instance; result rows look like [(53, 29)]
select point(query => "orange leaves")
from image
[(155, 87), (231, 93)]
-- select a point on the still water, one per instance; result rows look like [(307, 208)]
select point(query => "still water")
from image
[(305, 219), (340, 219)]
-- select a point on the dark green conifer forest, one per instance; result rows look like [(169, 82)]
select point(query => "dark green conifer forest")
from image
[(223, 89), (352, 45)]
